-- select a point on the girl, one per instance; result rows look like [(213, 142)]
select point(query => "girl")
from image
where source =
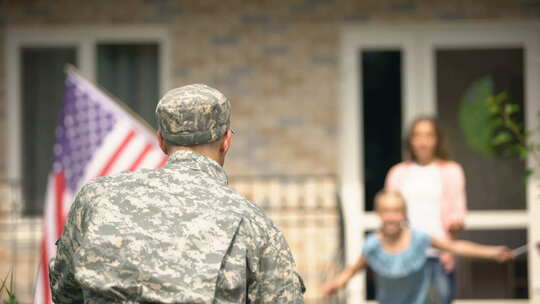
[(398, 255)]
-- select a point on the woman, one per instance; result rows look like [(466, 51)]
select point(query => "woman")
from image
[(434, 188), (397, 255)]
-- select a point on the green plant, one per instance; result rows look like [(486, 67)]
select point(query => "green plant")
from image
[(12, 299), (510, 136), (492, 124)]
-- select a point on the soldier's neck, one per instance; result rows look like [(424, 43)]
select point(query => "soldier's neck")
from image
[(204, 150)]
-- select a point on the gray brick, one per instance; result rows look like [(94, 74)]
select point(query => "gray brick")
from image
[(327, 59), (403, 7), (275, 50), (224, 40), (259, 19)]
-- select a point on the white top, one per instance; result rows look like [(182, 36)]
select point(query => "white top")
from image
[(423, 193)]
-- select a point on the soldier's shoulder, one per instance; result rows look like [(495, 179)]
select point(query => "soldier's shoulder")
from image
[(243, 204), (119, 179), (253, 215), (109, 185)]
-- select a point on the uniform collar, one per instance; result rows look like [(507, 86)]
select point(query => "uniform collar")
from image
[(196, 161)]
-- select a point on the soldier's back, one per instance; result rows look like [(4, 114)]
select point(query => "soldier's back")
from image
[(177, 234)]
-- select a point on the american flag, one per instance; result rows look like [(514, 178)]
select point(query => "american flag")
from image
[(95, 136)]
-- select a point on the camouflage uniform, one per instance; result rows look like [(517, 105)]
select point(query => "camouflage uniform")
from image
[(177, 234)]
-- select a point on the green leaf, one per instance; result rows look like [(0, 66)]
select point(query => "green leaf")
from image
[(475, 118), (503, 137), (494, 109), (500, 98), (512, 125), (497, 122), (528, 172), (523, 152), (511, 108), (520, 150)]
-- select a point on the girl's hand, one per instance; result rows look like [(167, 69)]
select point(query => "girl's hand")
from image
[(502, 254), (329, 288)]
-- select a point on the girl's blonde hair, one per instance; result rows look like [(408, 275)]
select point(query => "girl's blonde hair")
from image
[(385, 194)]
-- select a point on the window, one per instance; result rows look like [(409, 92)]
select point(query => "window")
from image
[(131, 73), (475, 278), (42, 86), (381, 84), (127, 63), (456, 70)]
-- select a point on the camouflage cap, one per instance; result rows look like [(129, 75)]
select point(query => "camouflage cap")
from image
[(192, 115)]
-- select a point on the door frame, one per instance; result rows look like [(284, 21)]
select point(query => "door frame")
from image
[(417, 43)]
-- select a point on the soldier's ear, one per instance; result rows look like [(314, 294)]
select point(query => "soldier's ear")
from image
[(226, 142), (161, 142)]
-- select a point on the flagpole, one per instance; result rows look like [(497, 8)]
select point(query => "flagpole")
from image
[(69, 68)]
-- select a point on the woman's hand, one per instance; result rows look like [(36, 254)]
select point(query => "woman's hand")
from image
[(448, 262), (456, 226)]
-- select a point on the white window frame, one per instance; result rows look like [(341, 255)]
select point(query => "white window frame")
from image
[(85, 40), (417, 44)]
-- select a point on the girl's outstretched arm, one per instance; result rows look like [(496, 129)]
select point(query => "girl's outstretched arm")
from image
[(344, 277), (473, 250)]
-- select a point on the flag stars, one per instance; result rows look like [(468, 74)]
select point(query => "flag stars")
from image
[(68, 121), (57, 149), (83, 125)]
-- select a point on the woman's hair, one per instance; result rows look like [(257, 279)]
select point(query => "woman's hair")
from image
[(441, 149)]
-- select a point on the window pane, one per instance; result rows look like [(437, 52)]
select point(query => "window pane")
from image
[(381, 92), (42, 89), (130, 72), (492, 182), (481, 279)]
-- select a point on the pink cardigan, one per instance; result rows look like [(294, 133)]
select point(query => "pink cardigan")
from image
[(454, 205)]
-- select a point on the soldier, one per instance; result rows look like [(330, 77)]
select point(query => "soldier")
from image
[(177, 234)]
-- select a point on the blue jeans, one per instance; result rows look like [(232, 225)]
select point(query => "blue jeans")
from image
[(442, 283)]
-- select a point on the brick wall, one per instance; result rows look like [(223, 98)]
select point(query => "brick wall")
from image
[(276, 60)]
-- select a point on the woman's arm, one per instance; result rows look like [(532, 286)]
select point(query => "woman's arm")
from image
[(474, 250), (344, 277)]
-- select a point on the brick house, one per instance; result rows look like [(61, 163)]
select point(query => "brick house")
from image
[(315, 131)]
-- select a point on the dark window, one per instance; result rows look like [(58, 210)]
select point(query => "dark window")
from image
[(481, 279), (381, 95), (131, 73), (42, 88)]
